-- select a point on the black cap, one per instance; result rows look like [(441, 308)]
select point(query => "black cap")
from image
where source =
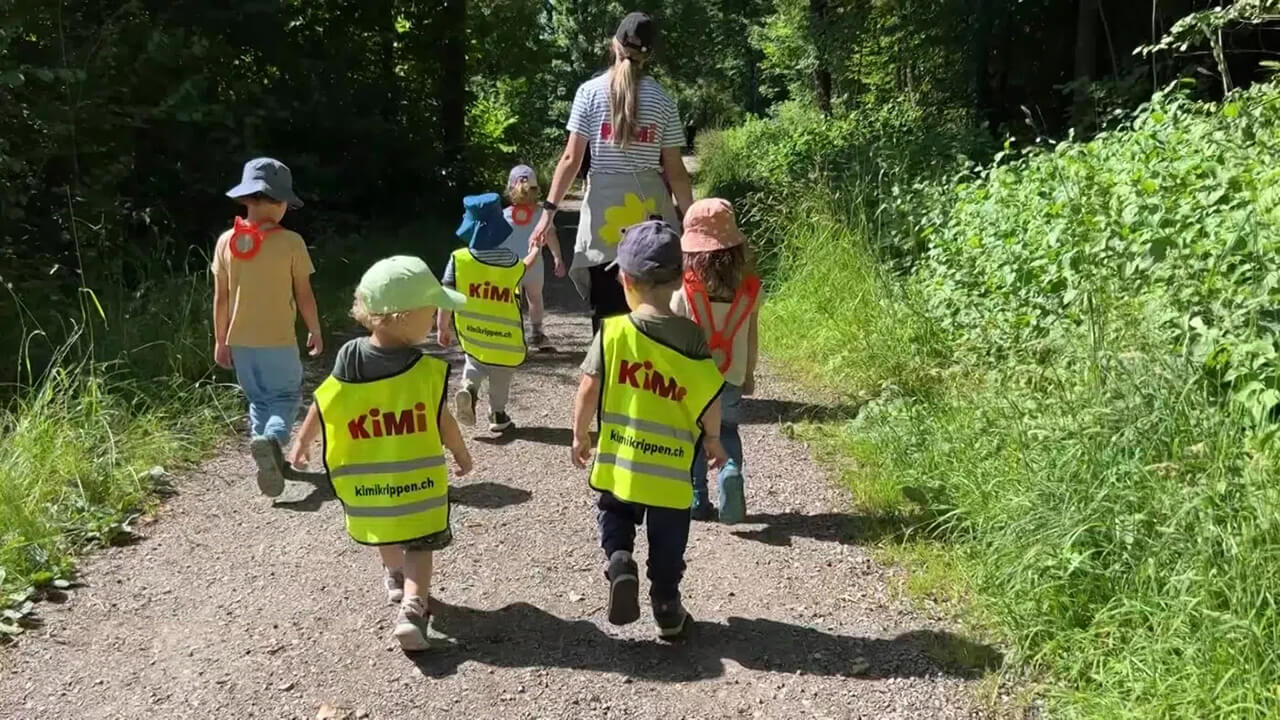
[(637, 32)]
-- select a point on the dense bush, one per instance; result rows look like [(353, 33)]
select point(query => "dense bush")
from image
[(1075, 381)]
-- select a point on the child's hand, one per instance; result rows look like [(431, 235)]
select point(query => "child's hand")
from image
[(316, 343), (581, 452), (716, 456), (444, 337), (222, 355), (300, 455), (463, 464), (749, 386)]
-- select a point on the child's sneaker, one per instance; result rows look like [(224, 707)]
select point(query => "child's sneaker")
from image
[(500, 422), (413, 625), (464, 405), (624, 588), (733, 501), (538, 339), (672, 619), (270, 461), (394, 582)]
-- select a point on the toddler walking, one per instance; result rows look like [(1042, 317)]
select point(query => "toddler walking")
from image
[(491, 327), (261, 282), (722, 293), (524, 213), (651, 377), (386, 426)]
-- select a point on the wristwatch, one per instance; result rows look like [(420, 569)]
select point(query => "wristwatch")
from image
[(549, 206)]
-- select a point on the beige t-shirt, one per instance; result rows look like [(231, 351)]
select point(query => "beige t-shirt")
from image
[(737, 372), (263, 310)]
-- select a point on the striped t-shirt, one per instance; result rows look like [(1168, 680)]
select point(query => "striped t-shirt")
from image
[(499, 256), (658, 126)]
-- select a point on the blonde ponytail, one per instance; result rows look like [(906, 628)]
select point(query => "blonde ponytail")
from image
[(624, 94)]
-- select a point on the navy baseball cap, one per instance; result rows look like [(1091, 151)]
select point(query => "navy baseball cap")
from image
[(267, 176), (650, 252), (637, 32)]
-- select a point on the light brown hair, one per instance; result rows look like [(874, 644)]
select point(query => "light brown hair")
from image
[(721, 271), (624, 92)]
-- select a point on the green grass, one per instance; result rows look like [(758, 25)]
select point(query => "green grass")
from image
[(1069, 400)]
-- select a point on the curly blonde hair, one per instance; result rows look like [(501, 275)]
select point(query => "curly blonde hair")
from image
[(371, 321)]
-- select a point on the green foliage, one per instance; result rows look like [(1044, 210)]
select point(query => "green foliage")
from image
[(1076, 383)]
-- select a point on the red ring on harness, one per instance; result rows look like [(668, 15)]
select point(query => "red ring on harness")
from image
[(522, 214), (242, 228)]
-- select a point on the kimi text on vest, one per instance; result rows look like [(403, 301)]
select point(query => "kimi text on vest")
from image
[(488, 291), (388, 423), (651, 380)]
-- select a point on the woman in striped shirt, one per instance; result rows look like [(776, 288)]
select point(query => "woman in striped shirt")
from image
[(634, 132)]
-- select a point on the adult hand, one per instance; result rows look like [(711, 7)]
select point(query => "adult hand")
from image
[(222, 355), (544, 231)]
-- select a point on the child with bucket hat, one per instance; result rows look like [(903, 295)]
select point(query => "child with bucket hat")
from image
[(386, 427), (722, 294), (262, 282), (491, 329)]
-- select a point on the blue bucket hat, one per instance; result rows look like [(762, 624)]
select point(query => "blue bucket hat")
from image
[(267, 176), (483, 226)]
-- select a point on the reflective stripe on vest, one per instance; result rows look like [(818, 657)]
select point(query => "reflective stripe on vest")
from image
[(652, 400), (744, 303), (490, 328), (383, 453)]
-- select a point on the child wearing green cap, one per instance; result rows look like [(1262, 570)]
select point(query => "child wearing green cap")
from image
[(386, 424)]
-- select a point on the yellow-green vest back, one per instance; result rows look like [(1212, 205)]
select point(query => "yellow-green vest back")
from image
[(652, 399), (383, 453), (490, 326)]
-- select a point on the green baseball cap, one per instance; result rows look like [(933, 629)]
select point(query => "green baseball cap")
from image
[(402, 283)]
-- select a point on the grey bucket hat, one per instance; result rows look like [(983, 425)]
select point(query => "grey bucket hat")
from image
[(269, 177)]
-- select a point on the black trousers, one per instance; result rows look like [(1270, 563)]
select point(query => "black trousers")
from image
[(606, 296), (668, 532)]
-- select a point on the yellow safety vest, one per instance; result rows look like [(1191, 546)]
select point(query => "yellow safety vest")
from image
[(383, 453), (653, 398), (490, 327)]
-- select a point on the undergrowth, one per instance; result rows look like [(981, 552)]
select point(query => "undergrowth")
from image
[(1071, 392)]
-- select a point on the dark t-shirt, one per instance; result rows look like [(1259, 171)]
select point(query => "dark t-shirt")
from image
[(360, 360), (673, 331)]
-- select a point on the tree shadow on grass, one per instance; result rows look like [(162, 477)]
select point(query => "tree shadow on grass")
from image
[(522, 635), (768, 411)]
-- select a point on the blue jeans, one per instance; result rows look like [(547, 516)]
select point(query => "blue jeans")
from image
[(271, 377), (730, 418)]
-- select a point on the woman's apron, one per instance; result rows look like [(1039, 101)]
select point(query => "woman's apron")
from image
[(615, 201)]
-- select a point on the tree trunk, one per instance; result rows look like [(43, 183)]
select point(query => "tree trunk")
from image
[(1086, 64), (822, 72), (453, 85)]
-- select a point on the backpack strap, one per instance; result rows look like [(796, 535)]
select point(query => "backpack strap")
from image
[(743, 305)]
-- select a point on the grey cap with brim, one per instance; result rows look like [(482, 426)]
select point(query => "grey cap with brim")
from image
[(269, 177), (650, 252)]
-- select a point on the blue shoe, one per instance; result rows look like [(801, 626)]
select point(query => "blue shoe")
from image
[(733, 501)]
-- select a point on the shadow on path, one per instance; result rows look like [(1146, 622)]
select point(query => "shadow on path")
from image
[(522, 635), (780, 528), (543, 435), (485, 495)]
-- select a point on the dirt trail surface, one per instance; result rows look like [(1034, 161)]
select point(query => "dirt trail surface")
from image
[(235, 606)]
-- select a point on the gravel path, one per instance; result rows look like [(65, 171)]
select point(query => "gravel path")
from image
[(233, 606)]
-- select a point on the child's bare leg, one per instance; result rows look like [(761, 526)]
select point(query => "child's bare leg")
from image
[(536, 308), (393, 577), (417, 574)]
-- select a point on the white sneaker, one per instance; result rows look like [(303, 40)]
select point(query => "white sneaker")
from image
[(464, 406)]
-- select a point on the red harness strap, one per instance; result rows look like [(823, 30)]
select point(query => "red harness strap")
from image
[(246, 238), (744, 303)]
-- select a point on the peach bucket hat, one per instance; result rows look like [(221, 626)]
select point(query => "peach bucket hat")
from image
[(709, 226)]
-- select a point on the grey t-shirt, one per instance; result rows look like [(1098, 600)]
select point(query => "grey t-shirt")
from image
[(360, 361), (673, 331)]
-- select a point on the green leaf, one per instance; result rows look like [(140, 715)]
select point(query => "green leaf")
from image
[(1231, 110)]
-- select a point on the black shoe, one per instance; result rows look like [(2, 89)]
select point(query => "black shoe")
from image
[(624, 588), (704, 511), (672, 619), (500, 422)]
